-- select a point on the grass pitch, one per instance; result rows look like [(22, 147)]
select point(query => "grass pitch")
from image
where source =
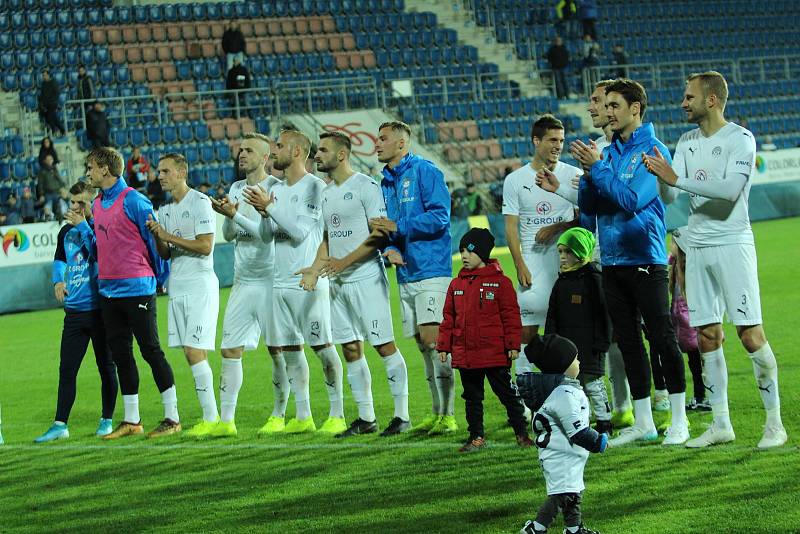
[(372, 484)]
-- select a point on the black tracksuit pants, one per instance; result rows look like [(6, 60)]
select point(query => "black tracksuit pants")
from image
[(643, 289), (500, 381), (79, 329)]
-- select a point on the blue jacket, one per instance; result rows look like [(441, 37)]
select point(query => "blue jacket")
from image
[(75, 264), (137, 207), (417, 199), (624, 197)]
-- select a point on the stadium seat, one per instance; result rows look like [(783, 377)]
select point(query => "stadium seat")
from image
[(185, 134)]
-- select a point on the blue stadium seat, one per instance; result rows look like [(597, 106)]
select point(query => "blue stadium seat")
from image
[(201, 132), (228, 174), (223, 150), (39, 60), (199, 11), (119, 136), (191, 154), (5, 21), (156, 13), (102, 56), (184, 70), (153, 136), (122, 75), (87, 57), (214, 70), (64, 19), (184, 12), (94, 17), (136, 136), (171, 13), (23, 60), (213, 11), (10, 81), (79, 18), (185, 134), (207, 153), (169, 134), (20, 170), (141, 14), (106, 76)]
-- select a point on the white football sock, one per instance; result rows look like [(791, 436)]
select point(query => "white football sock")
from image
[(522, 364), (297, 369), (280, 385), (397, 375), (169, 398), (615, 369), (445, 383), (643, 413), (677, 404), (360, 379), (230, 382), (131, 404), (332, 367), (765, 369), (430, 376), (204, 386), (715, 379)]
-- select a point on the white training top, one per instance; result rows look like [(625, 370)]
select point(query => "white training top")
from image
[(346, 209), (254, 258), (601, 143), (713, 162), (534, 206), (295, 220), (190, 273), (564, 413)]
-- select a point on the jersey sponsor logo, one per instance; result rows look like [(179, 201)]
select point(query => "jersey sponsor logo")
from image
[(340, 233), (293, 200), (205, 221), (348, 196), (185, 215), (544, 207), (544, 220), (632, 164), (283, 236), (312, 207), (701, 175), (717, 152), (747, 164), (335, 220)]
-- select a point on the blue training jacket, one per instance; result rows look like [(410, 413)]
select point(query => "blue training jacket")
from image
[(137, 207), (624, 196), (75, 264), (417, 199)]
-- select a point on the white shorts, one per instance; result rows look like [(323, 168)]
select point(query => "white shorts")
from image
[(247, 316), (361, 310), (422, 302), (192, 320), (300, 316), (534, 300), (723, 279)]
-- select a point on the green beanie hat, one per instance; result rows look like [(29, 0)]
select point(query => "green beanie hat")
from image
[(580, 241)]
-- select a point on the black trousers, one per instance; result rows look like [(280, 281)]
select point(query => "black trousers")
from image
[(500, 381), (79, 328), (126, 318), (570, 505), (631, 291)]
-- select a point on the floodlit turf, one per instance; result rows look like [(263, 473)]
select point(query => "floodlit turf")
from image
[(372, 484)]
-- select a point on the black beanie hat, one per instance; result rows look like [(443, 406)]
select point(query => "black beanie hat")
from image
[(478, 240), (551, 354)]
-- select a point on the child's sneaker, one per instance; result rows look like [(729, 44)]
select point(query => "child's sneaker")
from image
[(528, 528), (473, 444), (700, 405), (661, 401), (582, 530)]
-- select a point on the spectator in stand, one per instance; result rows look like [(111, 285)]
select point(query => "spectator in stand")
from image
[(591, 52), (49, 183), (238, 78), (233, 45), (220, 193), (47, 214), (204, 188), (49, 93), (154, 191), (620, 58), (558, 57), (137, 169), (3, 218), (85, 87), (566, 19), (47, 148), (768, 145), (12, 211), (62, 204), (587, 13), (474, 200), (27, 206), (97, 127)]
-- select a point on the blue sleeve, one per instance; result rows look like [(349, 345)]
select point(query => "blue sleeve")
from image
[(137, 208), (392, 213), (587, 199), (633, 195), (436, 204), (59, 268), (88, 239)]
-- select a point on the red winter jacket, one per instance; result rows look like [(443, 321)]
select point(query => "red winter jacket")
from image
[(481, 319)]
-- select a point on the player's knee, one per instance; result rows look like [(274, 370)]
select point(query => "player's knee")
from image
[(231, 354), (752, 338), (710, 337)]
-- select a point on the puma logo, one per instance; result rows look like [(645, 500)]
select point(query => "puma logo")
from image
[(432, 311), (103, 229), (645, 270), (529, 188), (764, 389), (741, 311), (692, 149), (144, 306)]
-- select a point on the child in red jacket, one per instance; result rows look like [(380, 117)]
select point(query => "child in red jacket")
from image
[(482, 330)]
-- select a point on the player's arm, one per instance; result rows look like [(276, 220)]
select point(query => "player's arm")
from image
[(591, 440), (204, 230), (632, 195), (510, 317), (299, 224), (512, 239), (568, 412), (309, 275), (436, 204), (139, 209), (547, 234), (59, 268), (587, 198), (227, 209)]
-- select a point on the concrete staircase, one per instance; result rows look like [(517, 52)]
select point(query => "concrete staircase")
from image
[(450, 14)]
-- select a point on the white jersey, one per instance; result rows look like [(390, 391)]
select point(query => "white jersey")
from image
[(253, 258), (602, 143), (535, 207), (715, 222), (298, 206), (346, 210), (190, 273), (564, 413)]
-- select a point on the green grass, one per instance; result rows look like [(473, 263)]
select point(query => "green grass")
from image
[(404, 484)]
